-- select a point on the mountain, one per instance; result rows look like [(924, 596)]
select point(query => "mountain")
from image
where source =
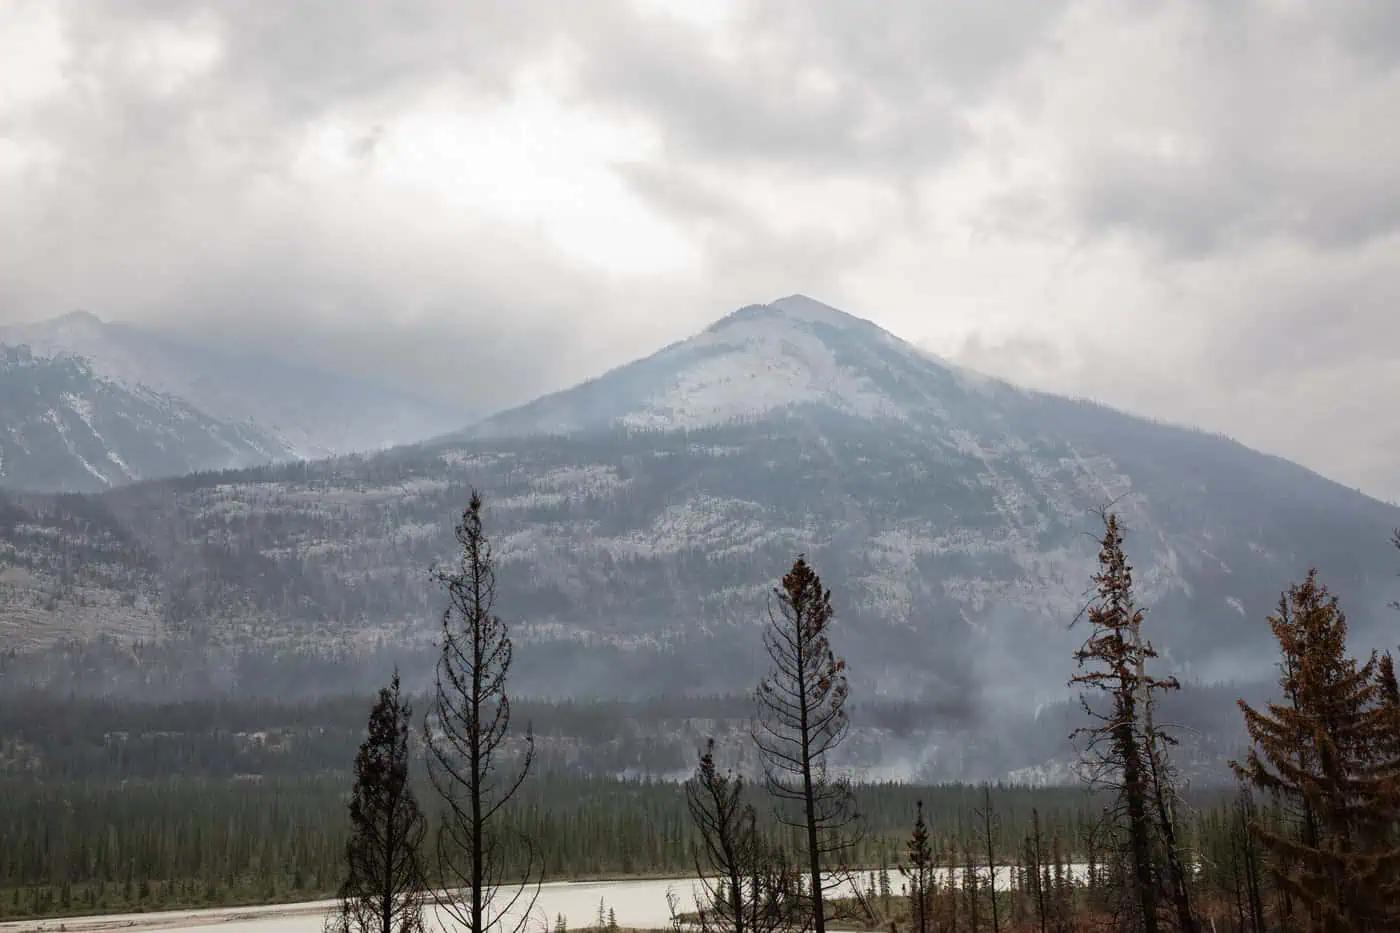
[(641, 520), (64, 428), (310, 412)]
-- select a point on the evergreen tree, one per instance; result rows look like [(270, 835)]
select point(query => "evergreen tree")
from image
[(466, 735), (383, 890), (801, 718), (921, 872), (1322, 753)]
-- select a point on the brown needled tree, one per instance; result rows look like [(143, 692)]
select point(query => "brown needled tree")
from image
[(1321, 754), (1123, 751), (384, 890), (801, 718), (468, 761)]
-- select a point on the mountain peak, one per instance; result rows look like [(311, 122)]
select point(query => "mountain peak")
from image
[(79, 316), (78, 322), (808, 309), (795, 353), (797, 308)]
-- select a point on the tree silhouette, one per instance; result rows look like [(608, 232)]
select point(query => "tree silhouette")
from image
[(466, 734), (743, 886), (1123, 751), (801, 718), (384, 890), (921, 871)]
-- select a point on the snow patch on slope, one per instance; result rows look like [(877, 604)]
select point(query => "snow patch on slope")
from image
[(767, 358), (765, 367)]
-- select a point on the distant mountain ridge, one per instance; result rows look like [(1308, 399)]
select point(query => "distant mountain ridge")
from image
[(642, 518), (62, 428), (310, 412)]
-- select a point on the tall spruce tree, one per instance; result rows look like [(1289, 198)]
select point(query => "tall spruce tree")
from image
[(1118, 749), (383, 891), (1320, 752), (469, 762), (801, 718)]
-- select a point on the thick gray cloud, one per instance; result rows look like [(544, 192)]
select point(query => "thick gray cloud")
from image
[(1191, 211)]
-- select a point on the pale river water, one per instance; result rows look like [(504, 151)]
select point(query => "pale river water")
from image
[(640, 904)]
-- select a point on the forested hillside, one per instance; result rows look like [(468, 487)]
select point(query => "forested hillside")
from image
[(624, 552)]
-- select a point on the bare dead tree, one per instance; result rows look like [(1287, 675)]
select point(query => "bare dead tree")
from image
[(801, 718), (384, 890), (743, 886), (468, 761), (1163, 780), (1166, 804)]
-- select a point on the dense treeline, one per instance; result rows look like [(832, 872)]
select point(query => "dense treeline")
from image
[(85, 846)]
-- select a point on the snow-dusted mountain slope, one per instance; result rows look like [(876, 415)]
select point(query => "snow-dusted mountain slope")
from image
[(949, 513), (311, 412), (63, 428), (758, 361)]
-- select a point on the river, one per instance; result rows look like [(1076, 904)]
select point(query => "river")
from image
[(638, 904)]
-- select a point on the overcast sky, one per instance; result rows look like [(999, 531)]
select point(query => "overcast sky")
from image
[(1191, 211)]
